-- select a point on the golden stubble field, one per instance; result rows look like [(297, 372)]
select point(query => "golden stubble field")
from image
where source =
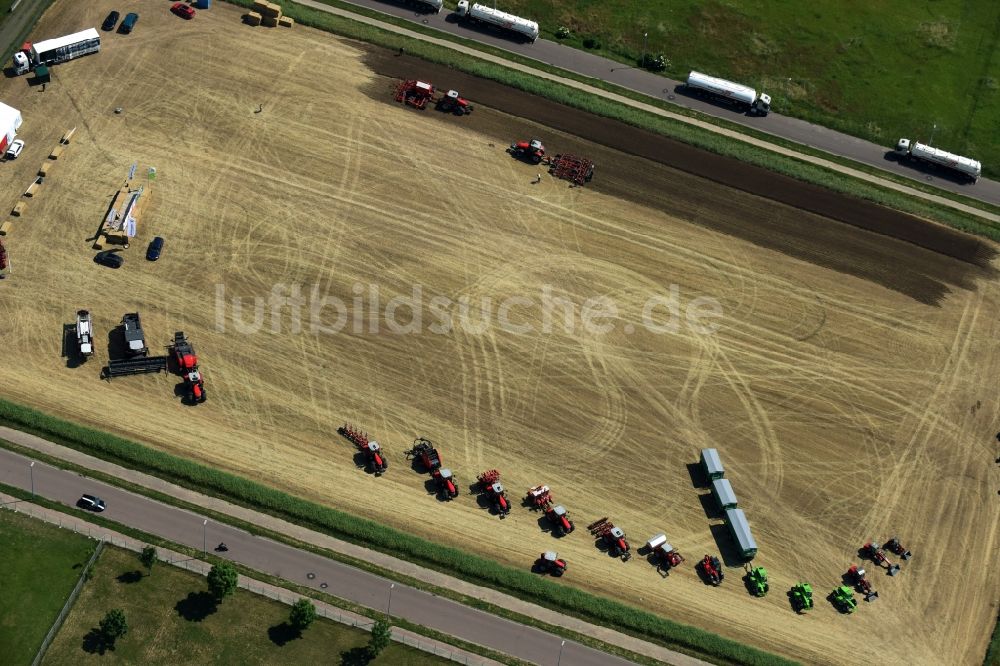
[(842, 410)]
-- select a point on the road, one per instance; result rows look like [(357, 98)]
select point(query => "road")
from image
[(654, 85), (305, 568)]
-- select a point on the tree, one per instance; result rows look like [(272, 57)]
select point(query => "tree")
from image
[(113, 626), (381, 636), (148, 558), (303, 614), (222, 580)]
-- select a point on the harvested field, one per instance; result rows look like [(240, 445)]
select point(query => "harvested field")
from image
[(851, 388)]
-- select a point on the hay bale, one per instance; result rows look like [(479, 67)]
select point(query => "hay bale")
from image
[(267, 9), (269, 21), (19, 208), (67, 136), (44, 169), (261, 5), (5, 228), (30, 192), (253, 18), (56, 152), (286, 21)]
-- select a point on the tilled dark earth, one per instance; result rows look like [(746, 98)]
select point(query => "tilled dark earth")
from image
[(901, 252)]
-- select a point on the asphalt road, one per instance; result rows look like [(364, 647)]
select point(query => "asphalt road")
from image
[(591, 65), (302, 567)]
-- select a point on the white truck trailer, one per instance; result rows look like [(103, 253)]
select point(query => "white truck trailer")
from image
[(732, 93), (477, 13), (52, 51), (968, 167)]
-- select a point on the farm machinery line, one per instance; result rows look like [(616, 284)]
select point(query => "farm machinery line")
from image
[(611, 537), (420, 94), (663, 554), (496, 494), (578, 170)]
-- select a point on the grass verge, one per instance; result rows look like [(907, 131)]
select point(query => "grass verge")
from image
[(22, 35), (170, 612), (675, 129), (323, 519), (993, 651), (41, 565)]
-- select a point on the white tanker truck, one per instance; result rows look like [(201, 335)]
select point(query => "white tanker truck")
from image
[(732, 93), (923, 153), (477, 13)]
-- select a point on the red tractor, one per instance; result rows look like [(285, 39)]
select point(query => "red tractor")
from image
[(489, 481), (874, 552), (664, 554), (549, 562), (452, 102), (612, 537), (711, 567), (414, 93), (856, 578), (896, 547), (370, 449), (187, 366), (559, 519), (446, 484), (530, 151), (424, 451)]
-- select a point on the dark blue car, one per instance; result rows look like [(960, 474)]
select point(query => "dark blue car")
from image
[(129, 23), (155, 248)]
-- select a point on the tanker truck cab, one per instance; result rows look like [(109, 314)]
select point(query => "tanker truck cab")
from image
[(762, 106), (21, 63)]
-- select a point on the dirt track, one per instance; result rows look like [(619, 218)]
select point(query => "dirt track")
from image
[(851, 389)]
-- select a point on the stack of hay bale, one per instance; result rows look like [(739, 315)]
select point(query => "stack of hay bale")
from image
[(268, 14)]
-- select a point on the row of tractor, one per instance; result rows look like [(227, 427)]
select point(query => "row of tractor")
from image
[(422, 94), (135, 359)]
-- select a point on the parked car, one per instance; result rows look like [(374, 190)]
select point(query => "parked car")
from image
[(91, 503), (111, 21), (14, 149), (130, 20), (109, 259), (182, 10), (155, 248)]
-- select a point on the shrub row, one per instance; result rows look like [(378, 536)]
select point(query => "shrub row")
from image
[(366, 532)]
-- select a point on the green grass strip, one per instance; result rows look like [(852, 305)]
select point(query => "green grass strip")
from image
[(385, 539), (993, 652)]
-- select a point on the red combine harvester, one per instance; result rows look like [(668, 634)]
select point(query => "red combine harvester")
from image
[(712, 568), (530, 151), (414, 93), (374, 457), (874, 552), (896, 547), (664, 554), (612, 537), (187, 366), (578, 170), (489, 481), (856, 578), (452, 102), (538, 498), (549, 562)]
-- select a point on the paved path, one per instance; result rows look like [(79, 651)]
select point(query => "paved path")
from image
[(594, 66), (258, 587), (294, 565)]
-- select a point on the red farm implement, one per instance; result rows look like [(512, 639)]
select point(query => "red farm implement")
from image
[(611, 537), (414, 93), (578, 170), (371, 451), (489, 481), (711, 568)]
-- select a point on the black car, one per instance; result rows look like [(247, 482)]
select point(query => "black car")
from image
[(92, 503), (129, 23), (111, 21), (109, 259), (155, 248)]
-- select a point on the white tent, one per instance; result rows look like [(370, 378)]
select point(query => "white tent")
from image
[(10, 122)]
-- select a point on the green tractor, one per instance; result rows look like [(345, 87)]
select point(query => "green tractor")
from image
[(802, 597), (843, 598), (757, 581)]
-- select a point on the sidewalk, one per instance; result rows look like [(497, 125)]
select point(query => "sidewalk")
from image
[(282, 595), (379, 559)]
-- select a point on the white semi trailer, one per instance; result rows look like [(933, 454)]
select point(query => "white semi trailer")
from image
[(727, 91), (970, 168), (477, 13), (52, 51)]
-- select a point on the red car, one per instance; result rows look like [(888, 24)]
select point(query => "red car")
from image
[(182, 10)]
